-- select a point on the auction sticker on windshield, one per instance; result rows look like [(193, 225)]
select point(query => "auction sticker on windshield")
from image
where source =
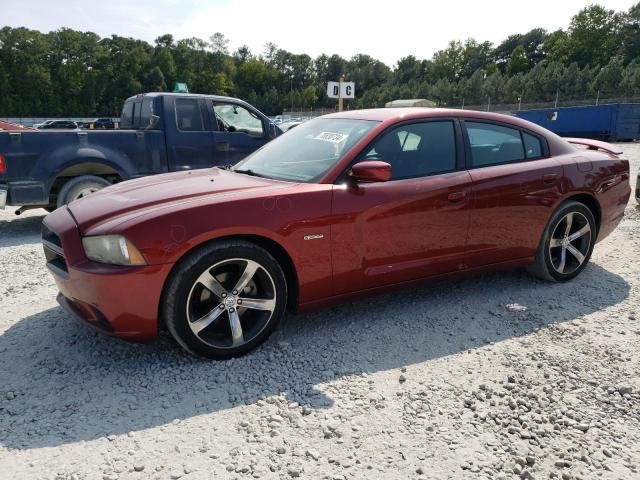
[(331, 137)]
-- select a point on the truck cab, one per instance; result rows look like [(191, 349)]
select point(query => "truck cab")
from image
[(158, 133)]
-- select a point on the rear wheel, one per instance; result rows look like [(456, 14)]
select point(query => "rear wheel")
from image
[(80, 187), (567, 243), (225, 299)]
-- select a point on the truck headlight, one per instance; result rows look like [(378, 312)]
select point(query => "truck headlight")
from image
[(112, 249)]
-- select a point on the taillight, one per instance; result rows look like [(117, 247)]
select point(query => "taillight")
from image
[(3, 165)]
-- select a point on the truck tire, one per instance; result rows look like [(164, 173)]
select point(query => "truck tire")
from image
[(79, 187)]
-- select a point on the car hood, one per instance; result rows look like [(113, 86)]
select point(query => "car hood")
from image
[(134, 198)]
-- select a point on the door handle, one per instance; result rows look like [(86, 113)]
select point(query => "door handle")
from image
[(550, 178), (222, 147), (456, 197)]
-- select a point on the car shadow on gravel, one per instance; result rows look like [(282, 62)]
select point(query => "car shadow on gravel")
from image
[(62, 383), (20, 230)]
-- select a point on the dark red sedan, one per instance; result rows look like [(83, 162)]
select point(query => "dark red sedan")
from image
[(343, 205)]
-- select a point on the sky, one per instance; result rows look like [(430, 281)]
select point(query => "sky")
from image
[(386, 30)]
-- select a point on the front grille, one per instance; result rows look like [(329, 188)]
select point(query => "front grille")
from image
[(53, 252)]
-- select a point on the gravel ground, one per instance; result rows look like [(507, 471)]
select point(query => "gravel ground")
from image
[(498, 376)]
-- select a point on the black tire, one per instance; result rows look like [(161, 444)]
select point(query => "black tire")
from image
[(548, 264), (75, 188), (185, 298)]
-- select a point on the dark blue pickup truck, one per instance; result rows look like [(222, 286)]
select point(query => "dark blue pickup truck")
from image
[(159, 132)]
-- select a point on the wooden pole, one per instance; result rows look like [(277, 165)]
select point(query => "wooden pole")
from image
[(340, 99)]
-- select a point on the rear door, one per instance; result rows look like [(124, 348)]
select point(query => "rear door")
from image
[(188, 135), (414, 225), (515, 186), (237, 130)]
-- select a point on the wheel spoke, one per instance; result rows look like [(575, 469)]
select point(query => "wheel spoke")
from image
[(236, 328), (555, 242), (250, 270), (583, 231), (576, 253), (563, 259), (207, 320), (211, 284), (258, 303), (569, 219)]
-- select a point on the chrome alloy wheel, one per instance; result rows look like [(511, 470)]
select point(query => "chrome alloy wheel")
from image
[(231, 302), (570, 243)]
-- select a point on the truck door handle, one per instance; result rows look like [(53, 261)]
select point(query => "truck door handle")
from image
[(222, 147), (456, 197), (550, 178)]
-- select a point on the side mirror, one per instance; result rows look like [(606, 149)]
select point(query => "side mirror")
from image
[(273, 131), (153, 121), (371, 171)]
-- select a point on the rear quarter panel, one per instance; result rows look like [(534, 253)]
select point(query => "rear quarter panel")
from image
[(603, 176), (41, 156)]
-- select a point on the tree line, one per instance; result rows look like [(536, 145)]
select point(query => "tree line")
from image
[(73, 73)]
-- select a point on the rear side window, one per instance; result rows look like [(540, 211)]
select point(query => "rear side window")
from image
[(145, 112), (494, 144), (126, 119), (532, 146), (188, 116)]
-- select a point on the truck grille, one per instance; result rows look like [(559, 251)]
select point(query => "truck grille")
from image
[(53, 252)]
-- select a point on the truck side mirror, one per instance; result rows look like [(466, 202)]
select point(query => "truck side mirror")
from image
[(273, 131), (153, 121)]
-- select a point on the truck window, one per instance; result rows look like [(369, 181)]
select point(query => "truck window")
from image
[(126, 119), (232, 117), (146, 110), (188, 115)]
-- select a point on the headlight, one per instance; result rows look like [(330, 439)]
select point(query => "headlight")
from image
[(113, 249)]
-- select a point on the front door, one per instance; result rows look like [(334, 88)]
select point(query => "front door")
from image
[(414, 225), (238, 131)]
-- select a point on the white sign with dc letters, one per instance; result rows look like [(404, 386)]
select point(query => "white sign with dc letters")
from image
[(348, 90)]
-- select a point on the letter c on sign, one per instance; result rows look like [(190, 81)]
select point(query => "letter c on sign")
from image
[(348, 90)]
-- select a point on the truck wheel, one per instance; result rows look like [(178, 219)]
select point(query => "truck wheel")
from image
[(80, 187)]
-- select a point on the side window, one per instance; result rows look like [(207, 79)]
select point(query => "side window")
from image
[(417, 150), (188, 116), (532, 146), (127, 115), (494, 144), (235, 118), (145, 112)]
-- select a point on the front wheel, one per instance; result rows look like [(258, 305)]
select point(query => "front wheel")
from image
[(225, 299), (567, 243)]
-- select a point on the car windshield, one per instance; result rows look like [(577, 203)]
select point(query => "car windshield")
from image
[(307, 152)]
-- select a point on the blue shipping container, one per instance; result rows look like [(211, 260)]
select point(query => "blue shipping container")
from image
[(612, 122)]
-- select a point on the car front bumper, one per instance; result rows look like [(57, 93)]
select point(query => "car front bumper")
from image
[(119, 301)]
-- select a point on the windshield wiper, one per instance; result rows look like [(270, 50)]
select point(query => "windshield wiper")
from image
[(248, 171)]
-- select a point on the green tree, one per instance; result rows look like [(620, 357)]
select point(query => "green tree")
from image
[(518, 63)]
